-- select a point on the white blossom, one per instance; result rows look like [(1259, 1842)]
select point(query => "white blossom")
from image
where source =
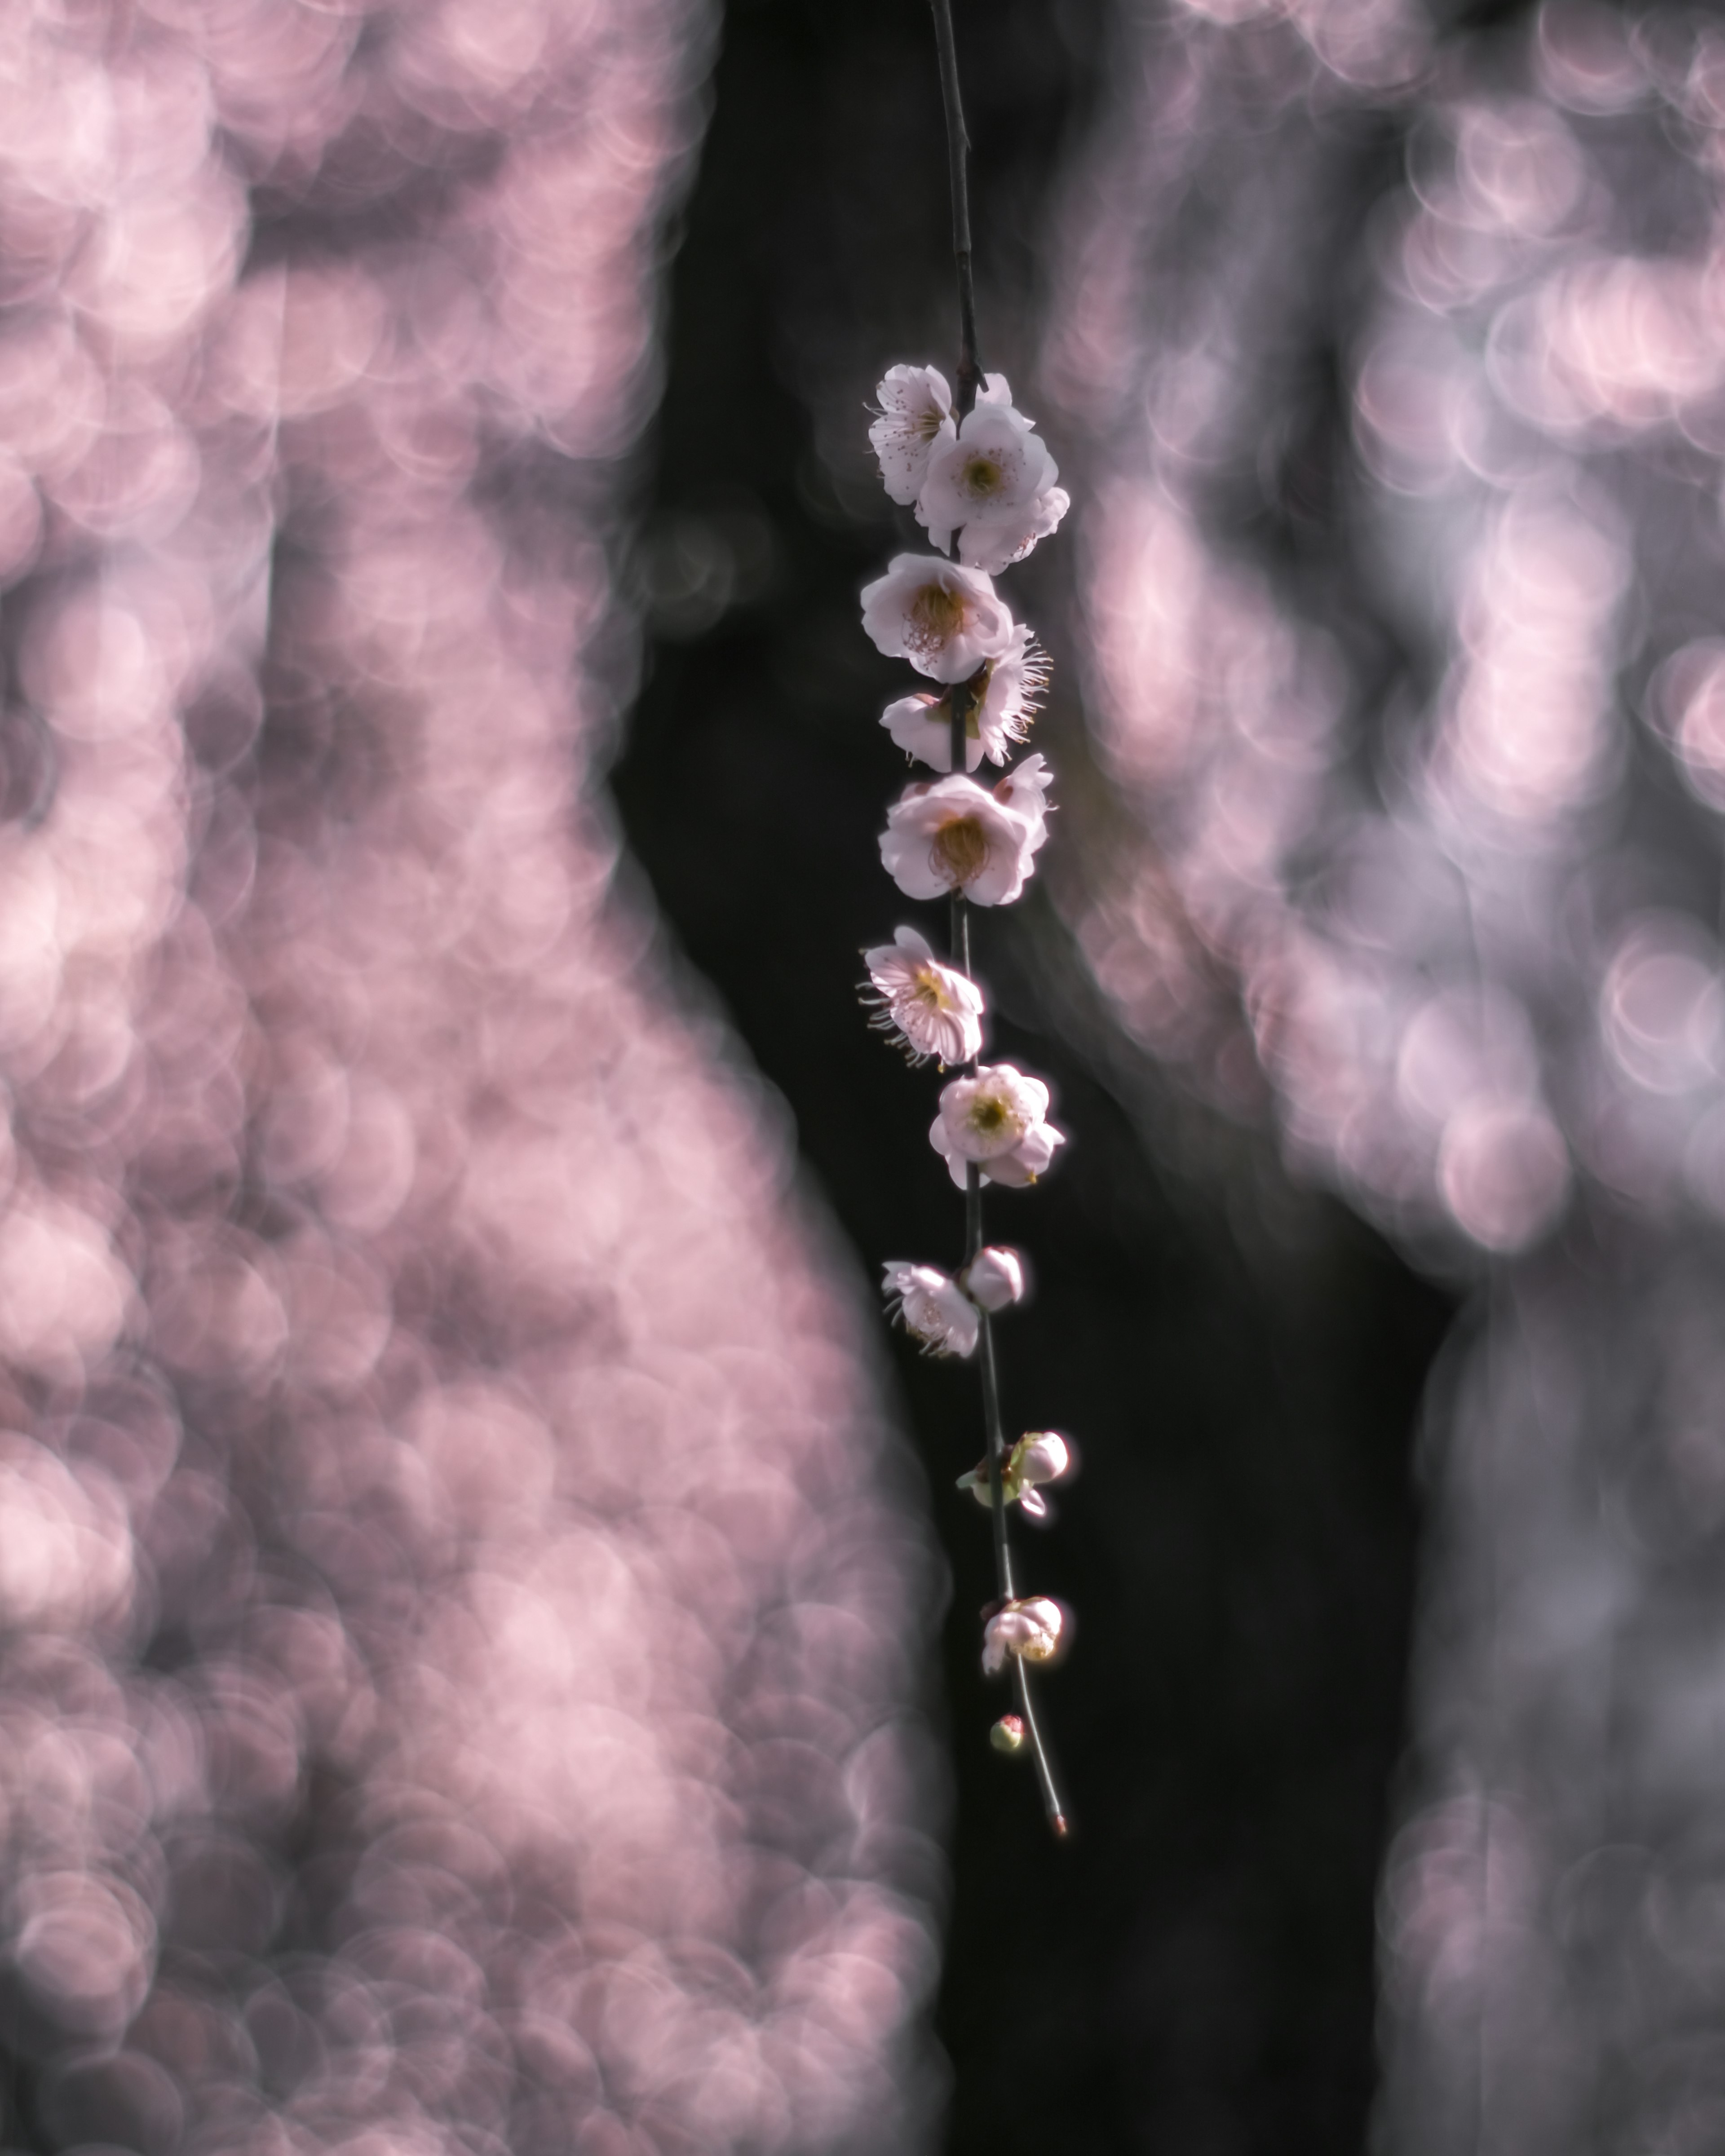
[(991, 471), (996, 546), (943, 618), (1024, 791), (954, 835), (931, 1009), (998, 1119), (994, 1277), (999, 713), (1039, 1456), (1030, 1628), (932, 1307), (916, 412)]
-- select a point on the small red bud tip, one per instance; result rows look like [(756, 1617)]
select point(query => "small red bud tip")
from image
[(1057, 1820), (1007, 1734)]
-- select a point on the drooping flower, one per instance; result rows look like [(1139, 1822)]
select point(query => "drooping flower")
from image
[(998, 1119), (943, 618), (932, 1307), (930, 1009), (1030, 1628), (1024, 791), (996, 546), (999, 715), (953, 835), (916, 412), (994, 1277), (991, 471), (1040, 1455)]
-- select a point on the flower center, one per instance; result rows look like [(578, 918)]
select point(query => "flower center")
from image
[(960, 851), (936, 616), (927, 990), (989, 1117), (982, 477), (927, 424)]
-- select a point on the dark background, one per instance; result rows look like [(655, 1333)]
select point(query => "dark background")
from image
[(1238, 1359)]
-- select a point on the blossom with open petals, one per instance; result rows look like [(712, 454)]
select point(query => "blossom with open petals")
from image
[(991, 472), (998, 711), (1040, 1455), (1024, 791), (941, 616), (954, 835), (998, 1119), (928, 1008), (914, 412), (994, 1277), (994, 546), (1030, 1628), (932, 1307)]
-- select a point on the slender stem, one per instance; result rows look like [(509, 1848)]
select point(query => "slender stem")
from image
[(991, 1411), (1045, 1774), (970, 373), (995, 1428)]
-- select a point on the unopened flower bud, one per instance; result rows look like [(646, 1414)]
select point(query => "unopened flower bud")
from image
[(994, 1277), (1029, 1629), (1007, 1734)]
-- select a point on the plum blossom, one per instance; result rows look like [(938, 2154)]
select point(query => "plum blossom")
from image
[(1024, 791), (953, 835), (998, 1119), (932, 1307), (1040, 1455), (1002, 707), (1030, 1628), (996, 546), (1007, 1734), (992, 470), (943, 618), (994, 1277), (914, 412), (931, 1010)]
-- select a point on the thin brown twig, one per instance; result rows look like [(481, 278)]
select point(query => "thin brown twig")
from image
[(970, 373)]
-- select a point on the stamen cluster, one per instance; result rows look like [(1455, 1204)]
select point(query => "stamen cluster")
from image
[(985, 480)]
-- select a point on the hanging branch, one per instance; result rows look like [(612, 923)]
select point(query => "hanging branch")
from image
[(978, 477), (970, 376)]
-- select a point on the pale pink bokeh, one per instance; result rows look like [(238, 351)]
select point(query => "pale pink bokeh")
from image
[(413, 1337)]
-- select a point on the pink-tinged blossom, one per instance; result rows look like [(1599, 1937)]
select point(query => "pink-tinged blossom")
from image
[(943, 618), (992, 471), (1011, 691), (1039, 1456), (916, 412), (953, 835), (1024, 790), (995, 546), (1007, 1734), (932, 1307), (998, 1119), (994, 1277), (1029, 1629), (931, 1010)]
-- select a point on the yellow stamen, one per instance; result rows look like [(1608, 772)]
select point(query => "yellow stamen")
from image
[(960, 851), (936, 616)]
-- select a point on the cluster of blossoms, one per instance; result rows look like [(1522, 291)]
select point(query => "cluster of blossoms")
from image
[(982, 482)]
